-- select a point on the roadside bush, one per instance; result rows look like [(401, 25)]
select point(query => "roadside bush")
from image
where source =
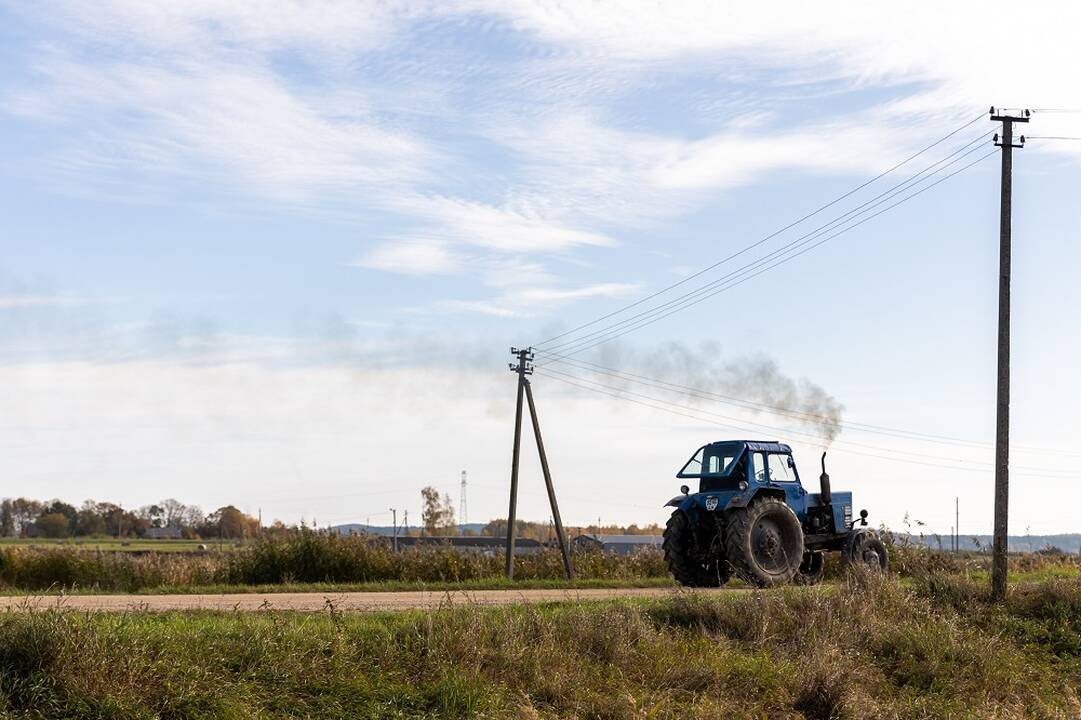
[(69, 568), (306, 557), (317, 557)]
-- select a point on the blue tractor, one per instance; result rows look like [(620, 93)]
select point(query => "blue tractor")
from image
[(751, 517)]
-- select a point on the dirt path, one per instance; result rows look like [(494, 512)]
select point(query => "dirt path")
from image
[(346, 601)]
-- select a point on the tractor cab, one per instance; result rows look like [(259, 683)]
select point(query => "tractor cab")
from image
[(731, 472)]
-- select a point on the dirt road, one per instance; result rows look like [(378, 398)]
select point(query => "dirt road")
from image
[(346, 602)]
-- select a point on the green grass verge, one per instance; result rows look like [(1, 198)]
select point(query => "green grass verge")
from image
[(873, 648)]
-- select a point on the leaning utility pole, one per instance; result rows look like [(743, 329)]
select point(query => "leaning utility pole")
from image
[(523, 368), (1002, 415)]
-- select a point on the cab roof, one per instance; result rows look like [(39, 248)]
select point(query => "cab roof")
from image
[(767, 446)]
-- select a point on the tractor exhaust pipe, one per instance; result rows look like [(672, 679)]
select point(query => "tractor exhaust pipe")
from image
[(824, 480)]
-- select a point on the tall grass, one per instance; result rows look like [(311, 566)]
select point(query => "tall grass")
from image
[(870, 648), (310, 557), (306, 558)]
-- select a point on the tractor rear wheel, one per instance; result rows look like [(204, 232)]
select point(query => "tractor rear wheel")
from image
[(689, 564), (764, 542)]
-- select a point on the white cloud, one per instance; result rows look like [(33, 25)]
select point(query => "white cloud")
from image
[(235, 126), (516, 227), (525, 301), (410, 258)]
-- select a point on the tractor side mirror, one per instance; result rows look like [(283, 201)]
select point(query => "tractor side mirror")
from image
[(684, 489), (863, 517)]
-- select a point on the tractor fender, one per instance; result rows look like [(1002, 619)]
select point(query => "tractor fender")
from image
[(695, 504), (743, 499)]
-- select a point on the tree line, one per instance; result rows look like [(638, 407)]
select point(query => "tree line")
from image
[(24, 517)]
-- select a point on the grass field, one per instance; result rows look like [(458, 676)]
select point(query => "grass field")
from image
[(933, 648), (117, 545)]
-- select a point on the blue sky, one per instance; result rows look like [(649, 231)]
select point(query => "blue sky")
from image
[(274, 253)]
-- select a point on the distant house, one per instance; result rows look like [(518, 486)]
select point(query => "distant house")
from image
[(618, 544), (171, 532)]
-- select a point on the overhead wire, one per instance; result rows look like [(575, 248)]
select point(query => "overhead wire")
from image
[(772, 428), (799, 415), (740, 424), (837, 222), (770, 236), (749, 271)]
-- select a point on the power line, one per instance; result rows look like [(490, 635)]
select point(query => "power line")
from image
[(710, 417), (837, 222), (767, 237), (710, 290), (802, 415), (1051, 137), (771, 428)]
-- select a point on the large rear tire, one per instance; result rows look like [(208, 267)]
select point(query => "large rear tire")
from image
[(764, 542), (689, 563)]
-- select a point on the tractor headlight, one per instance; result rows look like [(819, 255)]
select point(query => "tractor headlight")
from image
[(742, 484)]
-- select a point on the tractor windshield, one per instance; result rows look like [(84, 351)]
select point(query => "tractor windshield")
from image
[(712, 461)]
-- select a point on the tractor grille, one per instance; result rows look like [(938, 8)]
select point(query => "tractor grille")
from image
[(847, 514)]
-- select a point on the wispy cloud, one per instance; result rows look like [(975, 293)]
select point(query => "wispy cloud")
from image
[(14, 302), (410, 258), (533, 301)]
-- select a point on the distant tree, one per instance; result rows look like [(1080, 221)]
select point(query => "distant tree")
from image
[(229, 522), (53, 525), (153, 515), (57, 506), (25, 511), (89, 521), (192, 518), (7, 518), (175, 512), (522, 529), (438, 512)]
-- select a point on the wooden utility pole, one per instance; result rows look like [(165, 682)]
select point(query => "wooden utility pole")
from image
[(568, 569), (957, 524), (1002, 415), (523, 368)]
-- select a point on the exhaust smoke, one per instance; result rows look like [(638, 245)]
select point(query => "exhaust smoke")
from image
[(757, 381)]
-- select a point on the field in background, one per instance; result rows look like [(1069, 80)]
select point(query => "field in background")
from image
[(122, 545), (868, 647)]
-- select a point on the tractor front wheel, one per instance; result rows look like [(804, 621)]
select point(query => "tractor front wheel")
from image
[(812, 569), (764, 542), (690, 564)]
